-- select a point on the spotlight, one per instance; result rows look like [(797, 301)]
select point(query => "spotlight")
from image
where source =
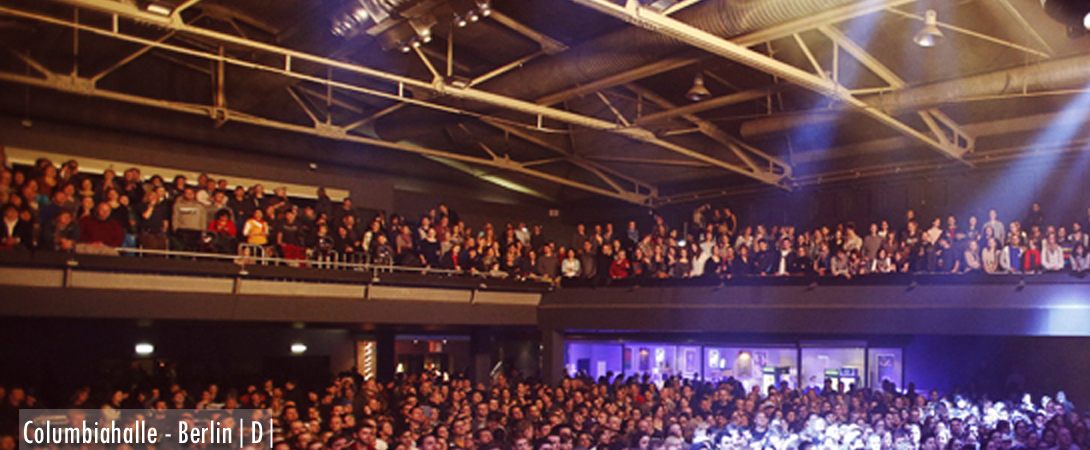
[(415, 43), (346, 21), (360, 15), (930, 34), (698, 92), (144, 349), (405, 48), (427, 38), (485, 7), (460, 21), (159, 8), (1072, 13), (472, 16), (298, 348)]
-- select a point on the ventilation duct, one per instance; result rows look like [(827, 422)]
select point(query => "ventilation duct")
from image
[(633, 47), (627, 49), (1067, 73)]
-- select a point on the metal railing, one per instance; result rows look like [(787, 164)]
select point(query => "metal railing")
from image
[(250, 254)]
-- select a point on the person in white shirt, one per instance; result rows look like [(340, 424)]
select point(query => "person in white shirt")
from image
[(782, 267), (998, 230), (570, 267), (745, 239), (931, 236), (1052, 255), (521, 233), (708, 242), (705, 252)]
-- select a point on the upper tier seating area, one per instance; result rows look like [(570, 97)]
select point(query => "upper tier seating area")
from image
[(57, 208)]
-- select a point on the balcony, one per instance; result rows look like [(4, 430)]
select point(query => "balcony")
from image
[(66, 285)]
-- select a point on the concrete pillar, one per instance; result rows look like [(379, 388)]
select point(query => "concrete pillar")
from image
[(482, 354), (385, 354), (552, 358)]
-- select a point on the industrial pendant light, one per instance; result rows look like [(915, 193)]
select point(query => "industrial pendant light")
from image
[(930, 34), (698, 92)]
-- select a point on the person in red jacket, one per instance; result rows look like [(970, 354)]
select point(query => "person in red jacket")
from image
[(222, 233), (1033, 258), (620, 267), (100, 234)]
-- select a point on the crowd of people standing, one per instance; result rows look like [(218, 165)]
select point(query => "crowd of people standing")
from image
[(424, 412), (60, 208)]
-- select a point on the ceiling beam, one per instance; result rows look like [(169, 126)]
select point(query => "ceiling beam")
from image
[(505, 68), (971, 33), (628, 76), (435, 86), (1018, 17), (813, 61), (835, 15), (570, 156), (783, 30), (489, 177), (991, 157), (709, 129), (654, 21), (64, 83), (334, 100), (932, 117), (710, 104), (653, 161), (184, 6), (226, 14), (130, 58), (289, 56), (548, 45)]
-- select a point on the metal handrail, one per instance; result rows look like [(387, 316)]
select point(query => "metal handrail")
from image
[(241, 259)]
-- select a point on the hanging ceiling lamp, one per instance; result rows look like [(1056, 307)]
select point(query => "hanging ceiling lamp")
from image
[(930, 34), (698, 92)]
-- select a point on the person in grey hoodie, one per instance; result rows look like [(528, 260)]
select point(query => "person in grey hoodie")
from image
[(189, 220)]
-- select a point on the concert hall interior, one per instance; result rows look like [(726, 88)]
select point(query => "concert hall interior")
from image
[(550, 224)]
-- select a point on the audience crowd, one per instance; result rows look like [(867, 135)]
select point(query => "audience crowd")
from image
[(611, 413), (53, 208)]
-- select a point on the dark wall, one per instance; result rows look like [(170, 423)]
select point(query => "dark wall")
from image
[(477, 213), (22, 301), (1040, 365), (1060, 185), (56, 356), (369, 189), (938, 305)]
